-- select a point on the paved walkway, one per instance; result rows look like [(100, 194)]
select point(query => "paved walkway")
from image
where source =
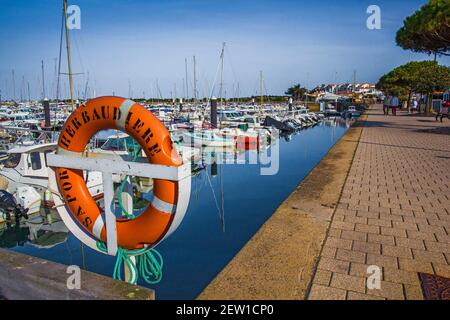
[(394, 211)]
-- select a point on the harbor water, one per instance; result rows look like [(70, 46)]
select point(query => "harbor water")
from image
[(227, 206)]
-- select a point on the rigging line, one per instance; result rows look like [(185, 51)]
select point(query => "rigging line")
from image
[(59, 63), (69, 252), (265, 89), (214, 195), (83, 257), (231, 64), (84, 65), (74, 74), (214, 83), (78, 51), (223, 198)]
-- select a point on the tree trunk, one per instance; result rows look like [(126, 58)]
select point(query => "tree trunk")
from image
[(428, 106), (408, 106), (420, 103)]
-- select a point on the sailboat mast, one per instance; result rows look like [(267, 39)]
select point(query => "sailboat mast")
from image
[(68, 56), (14, 85), (195, 83), (174, 92), (22, 89), (238, 94), (186, 71), (261, 79), (221, 74), (43, 79)]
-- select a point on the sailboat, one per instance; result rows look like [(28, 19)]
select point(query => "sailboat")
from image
[(24, 173)]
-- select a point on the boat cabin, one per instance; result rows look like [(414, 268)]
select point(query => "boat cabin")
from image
[(30, 160), (229, 115)]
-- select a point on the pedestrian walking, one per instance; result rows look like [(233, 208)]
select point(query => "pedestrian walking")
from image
[(414, 105), (394, 104), (386, 105)]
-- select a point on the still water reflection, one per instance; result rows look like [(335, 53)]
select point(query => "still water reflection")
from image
[(228, 205)]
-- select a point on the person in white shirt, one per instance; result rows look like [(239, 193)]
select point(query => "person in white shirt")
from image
[(414, 105)]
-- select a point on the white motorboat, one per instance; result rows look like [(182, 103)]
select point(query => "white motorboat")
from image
[(122, 144), (209, 138), (26, 167)]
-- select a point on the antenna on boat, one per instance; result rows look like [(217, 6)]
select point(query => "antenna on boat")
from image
[(68, 55)]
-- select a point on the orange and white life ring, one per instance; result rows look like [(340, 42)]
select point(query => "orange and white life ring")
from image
[(103, 113)]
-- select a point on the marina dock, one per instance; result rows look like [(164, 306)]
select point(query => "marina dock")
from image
[(227, 158), (23, 277), (383, 201)]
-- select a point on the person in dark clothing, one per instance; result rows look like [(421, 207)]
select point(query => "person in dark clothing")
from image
[(386, 105)]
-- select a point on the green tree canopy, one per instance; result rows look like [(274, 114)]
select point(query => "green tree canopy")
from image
[(415, 77), (428, 29), (297, 92)]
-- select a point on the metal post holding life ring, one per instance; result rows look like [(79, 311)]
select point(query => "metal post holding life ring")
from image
[(80, 213)]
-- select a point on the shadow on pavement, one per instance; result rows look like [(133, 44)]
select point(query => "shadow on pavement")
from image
[(439, 130)]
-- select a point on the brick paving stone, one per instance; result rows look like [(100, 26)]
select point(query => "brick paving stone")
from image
[(415, 265), (428, 256), (410, 243), (366, 247), (359, 269), (413, 292), (396, 251), (442, 270), (338, 243), (334, 265), (389, 290), (366, 228), (353, 235), (382, 239), (343, 225), (322, 277), (335, 233), (347, 282), (360, 296), (394, 211), (329, 252), (382, 260), (401, 276), (350, 255), (319, 292), (398, 232)]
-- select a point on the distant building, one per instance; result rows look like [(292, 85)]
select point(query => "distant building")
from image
[(348, 89)]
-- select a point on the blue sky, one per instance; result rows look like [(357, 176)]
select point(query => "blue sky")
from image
[(136, 43)]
